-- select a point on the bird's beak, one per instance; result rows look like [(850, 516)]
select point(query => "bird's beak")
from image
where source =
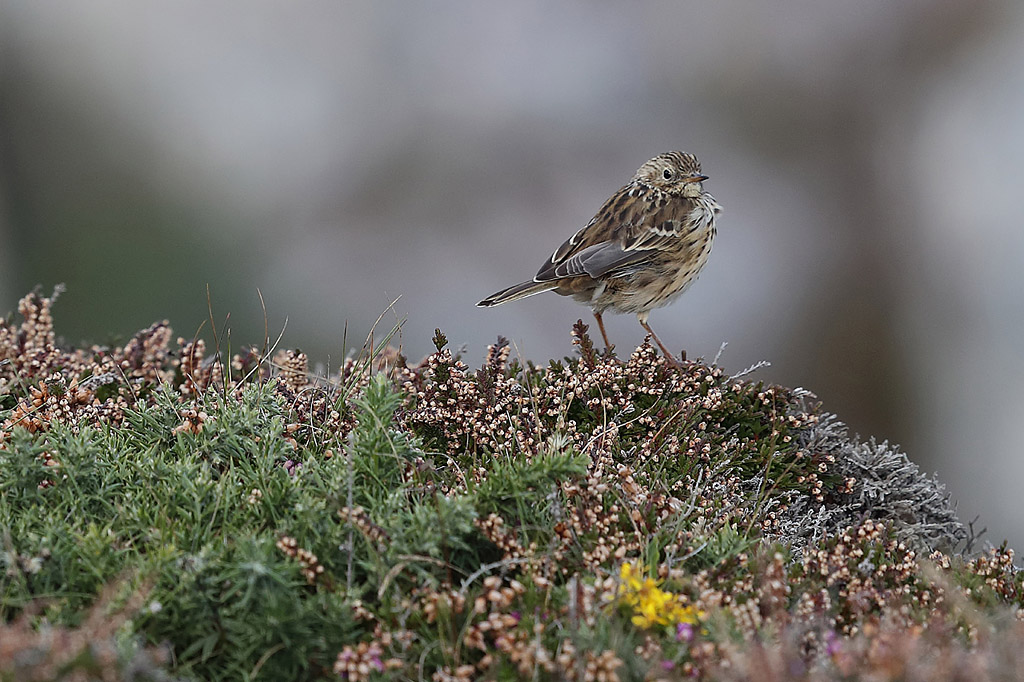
[(696, 178)]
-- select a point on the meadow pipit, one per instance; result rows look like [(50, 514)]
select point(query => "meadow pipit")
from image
[(643, 248)]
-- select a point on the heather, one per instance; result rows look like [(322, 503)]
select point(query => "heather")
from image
[(173, 510)]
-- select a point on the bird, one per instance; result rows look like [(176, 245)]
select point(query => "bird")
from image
[(641, 250)]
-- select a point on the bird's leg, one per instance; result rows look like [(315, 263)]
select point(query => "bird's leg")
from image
[(600, 325), (642, 319)]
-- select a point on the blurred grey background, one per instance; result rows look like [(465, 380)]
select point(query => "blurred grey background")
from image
[(336, 155)]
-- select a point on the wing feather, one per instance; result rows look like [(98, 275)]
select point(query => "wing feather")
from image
[(634, 224), (598, 260)]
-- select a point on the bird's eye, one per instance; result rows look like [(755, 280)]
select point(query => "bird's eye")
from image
[(667, 173)]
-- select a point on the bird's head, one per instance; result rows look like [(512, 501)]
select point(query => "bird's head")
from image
[(673, 172)]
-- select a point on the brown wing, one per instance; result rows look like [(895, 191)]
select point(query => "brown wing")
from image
[(627, 230)]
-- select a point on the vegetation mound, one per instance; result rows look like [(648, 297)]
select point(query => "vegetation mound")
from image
[(172, 514)]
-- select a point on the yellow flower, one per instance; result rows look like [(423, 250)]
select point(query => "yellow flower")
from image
[(650, 604), (630, 581)]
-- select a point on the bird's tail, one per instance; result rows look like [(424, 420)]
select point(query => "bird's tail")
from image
[(514, 293)]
